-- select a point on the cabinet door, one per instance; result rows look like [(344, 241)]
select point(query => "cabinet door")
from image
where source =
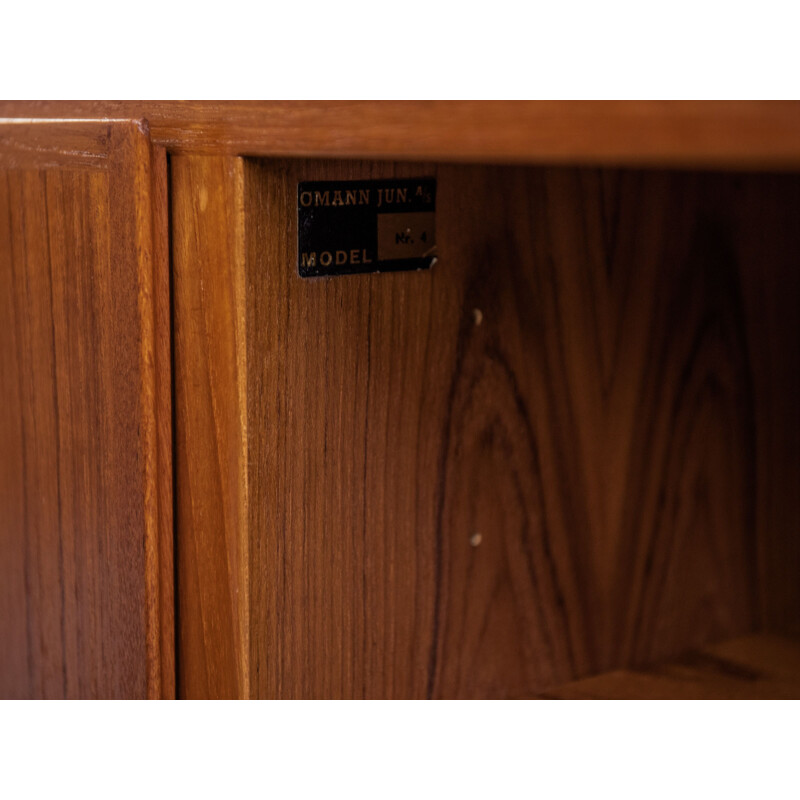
[(85, 506)]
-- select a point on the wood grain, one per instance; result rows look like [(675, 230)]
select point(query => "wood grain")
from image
[(210, 408), (740, 134), (85, 501), (755, 667), (608, 429), (161, 567), (380, 491)]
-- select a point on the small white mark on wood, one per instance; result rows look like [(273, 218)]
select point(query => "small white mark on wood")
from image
[(477, 316), (475, 539)]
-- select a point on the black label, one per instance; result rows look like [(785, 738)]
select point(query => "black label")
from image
[(365, 226)]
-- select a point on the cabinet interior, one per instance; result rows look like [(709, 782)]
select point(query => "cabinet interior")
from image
[(568, 449)]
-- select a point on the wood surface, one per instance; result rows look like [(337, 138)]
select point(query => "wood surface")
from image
[(739, 134), (620, 430), (210, 426), (85, 503), (572, 447), (161, 577), (756, 667)]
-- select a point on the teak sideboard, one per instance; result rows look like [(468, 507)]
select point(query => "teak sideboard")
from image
[(563, 461)]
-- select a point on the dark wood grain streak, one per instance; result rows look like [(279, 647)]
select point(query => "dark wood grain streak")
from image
[(610, 430), (161, 588), (86, 528)]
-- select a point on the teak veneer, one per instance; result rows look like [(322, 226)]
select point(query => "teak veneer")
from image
[(563, 462)]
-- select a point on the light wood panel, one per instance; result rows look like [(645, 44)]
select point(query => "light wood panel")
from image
[(741, 134), (755, 667), (611, 429), (85, 501), (211, 408)]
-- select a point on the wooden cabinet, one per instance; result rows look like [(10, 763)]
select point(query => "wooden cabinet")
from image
[(563, 461)]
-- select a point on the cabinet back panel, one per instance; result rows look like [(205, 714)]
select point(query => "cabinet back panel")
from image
[(569, 446)]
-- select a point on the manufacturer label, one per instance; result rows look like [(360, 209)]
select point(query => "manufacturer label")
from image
[(365, 226)]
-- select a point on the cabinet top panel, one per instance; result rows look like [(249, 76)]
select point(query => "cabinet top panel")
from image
[(761, 135)]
